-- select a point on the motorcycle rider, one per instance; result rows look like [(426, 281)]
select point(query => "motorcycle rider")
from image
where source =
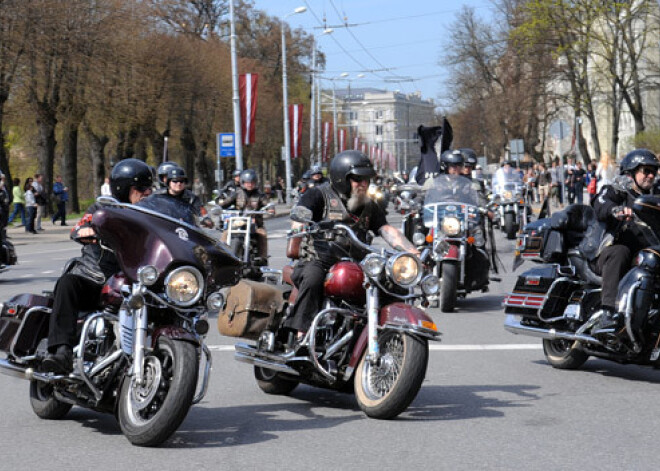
[(80, 287), (613, 206), (316, 176), (232, 185), (343, 200), (165, 178), (248, 196)]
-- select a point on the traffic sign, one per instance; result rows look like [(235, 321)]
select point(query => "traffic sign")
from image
[(225, 144)]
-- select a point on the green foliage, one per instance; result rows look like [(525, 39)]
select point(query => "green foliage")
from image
[(649, 139)]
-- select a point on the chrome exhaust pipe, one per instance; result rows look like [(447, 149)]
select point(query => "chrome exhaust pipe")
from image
[(26, 372), (513, 325), (262, 363)]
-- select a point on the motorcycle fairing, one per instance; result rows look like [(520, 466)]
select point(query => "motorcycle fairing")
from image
[(400, 316)]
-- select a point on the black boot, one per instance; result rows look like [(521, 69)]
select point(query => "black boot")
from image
[(60, 362), (608, 323)]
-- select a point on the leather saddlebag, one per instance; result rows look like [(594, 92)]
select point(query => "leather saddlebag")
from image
[(250, 307)]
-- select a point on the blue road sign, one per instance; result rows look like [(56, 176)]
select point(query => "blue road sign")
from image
[(225, 144)]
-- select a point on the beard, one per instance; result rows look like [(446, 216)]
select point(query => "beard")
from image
[(356, 201)]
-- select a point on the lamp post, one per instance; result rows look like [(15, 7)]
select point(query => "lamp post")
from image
[(578, 124), (312, 121), (236, 104), (287, 143)]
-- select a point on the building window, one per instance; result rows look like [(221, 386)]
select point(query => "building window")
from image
[(379, 114), (379, 130)]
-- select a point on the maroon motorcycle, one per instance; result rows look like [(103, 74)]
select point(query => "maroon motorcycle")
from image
[(369, 337), (140, 354)]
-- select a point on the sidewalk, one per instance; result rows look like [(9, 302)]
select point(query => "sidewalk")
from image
[(57, 233)]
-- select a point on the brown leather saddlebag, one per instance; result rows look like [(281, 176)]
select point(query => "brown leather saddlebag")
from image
[(250, 307)]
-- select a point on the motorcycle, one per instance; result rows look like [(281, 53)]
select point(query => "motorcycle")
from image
[(141, 353), (368, 337), (240, 228), (453, 230), (379, 195), (560, 300), (7, 253), (512, 211)]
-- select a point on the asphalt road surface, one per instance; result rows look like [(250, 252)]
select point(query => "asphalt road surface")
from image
[(489, 401)]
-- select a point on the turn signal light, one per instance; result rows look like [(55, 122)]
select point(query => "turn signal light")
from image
[(470, 240), (429, 325), (429, 236)]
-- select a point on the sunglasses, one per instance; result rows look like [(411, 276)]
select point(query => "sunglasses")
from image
[(359, 178), (648, 170), (143, 189), (177, 180)]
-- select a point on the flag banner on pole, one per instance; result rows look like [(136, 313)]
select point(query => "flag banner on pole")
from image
[(326, 139), (342, 140), (295, 128), (356, 143), (247, 94), (363, 148), (392, 161)]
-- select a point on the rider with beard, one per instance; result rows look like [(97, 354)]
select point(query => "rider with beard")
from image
[(80, 287), (249, 197), (343, 200), (613, 206)]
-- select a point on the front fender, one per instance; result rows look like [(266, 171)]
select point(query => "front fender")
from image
[(175, 333), (401, 317)]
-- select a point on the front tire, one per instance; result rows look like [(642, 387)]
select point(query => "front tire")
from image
[(44, 404), (448, 286), (385, 390), (564, 354), (272, 382), (149, 414), (510, 226)]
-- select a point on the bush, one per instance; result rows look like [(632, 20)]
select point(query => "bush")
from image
[(649, 139)]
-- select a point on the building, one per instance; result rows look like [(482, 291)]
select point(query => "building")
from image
[(382, 119)]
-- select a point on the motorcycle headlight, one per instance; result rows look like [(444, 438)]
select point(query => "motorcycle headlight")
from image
[(147, 275), (430, 285), (184, 286), (508, 195), (419, 239), (373, 265), (238, 224), (404, 269), (451, 226)]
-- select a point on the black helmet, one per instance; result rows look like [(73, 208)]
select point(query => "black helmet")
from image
[(176, 172), (637, 158), (345, 164), (316, 170), (127, 173), (452, 157), (236, 173), (306, 176), (469, 157), (248, 175), (163, 169)]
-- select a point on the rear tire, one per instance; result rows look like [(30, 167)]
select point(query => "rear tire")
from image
[(386, 390), (564, 354), (272, 382), (44, 404), (448, 286)]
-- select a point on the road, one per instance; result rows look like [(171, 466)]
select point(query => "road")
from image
[(489, 401)]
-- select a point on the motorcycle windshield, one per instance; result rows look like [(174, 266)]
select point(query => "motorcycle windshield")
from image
[(450, 194), (140, 236)]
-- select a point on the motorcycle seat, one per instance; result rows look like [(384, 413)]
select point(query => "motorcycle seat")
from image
[(582, 268), (573, 222)]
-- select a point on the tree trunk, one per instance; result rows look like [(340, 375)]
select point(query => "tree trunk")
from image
[(189, 151), (70, 163), (4, 158), (46, 122), (97, 147)]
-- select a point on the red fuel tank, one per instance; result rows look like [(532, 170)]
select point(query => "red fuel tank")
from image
[(344, 280)]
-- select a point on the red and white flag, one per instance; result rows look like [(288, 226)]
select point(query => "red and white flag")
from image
[(247, 94), (326, 138), (356, 143), (342, 140), (363, 148), (295, 128)]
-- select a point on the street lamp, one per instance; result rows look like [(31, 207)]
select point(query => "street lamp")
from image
[(287, 143), (312, 121)]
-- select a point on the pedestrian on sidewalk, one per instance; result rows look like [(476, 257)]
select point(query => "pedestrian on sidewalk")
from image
[(19, 202), (31, 205), (61, 196), (40, 198)]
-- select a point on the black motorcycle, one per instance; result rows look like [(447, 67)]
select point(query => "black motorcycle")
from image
[(560, 300)]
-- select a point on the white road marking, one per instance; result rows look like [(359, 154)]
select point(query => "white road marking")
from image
[(445, 348)]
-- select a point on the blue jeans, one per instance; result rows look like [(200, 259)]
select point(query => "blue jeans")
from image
[(18, 208)]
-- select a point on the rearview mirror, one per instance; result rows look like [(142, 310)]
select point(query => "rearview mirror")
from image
[(301, 214)]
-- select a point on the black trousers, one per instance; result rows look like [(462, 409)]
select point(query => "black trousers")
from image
[(308, 278), (612, 263), (73, 294)]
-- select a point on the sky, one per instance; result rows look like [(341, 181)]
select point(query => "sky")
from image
[(396, 45)]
